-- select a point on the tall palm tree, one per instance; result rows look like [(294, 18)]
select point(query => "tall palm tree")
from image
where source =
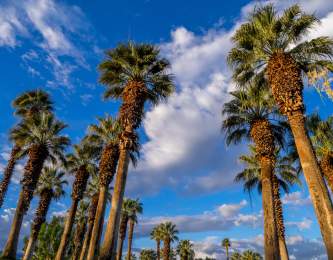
[(92, 193), (322, 140), (252, 115), (82, 162), (135, 209), (285, 175), (125, 211), (272, 46), (26, 105), (169, 235), (50, 187), (39, 138), (80, 229), (105, 135), (156, 234), (185, 250), (135, 74), (226, 244)]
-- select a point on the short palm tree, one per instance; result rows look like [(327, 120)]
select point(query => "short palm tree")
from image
[(272, 45), (39, 138), (285, 176), (185, 250), (169, 235), (82, 162), (80, 228), (226, 244), (50, 187), (125, 211), (136, 74), (135, 209), (25, 106), (252, 115), (147, 254), (250, 255), (105, 135), (322, 140), (156, 234)]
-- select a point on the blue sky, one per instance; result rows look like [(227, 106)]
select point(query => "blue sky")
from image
[(186, 172)]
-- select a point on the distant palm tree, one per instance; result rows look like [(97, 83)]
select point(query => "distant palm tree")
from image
[(82, 162), (236, 256), (285, 176), (135, 74), (25, 105), (148, 254), (105, 135), (185, 250), (125, 211), (134, 210), (169, 235), (39, 138), (80, 229), (322, 140), (250, 255), (92, 193), (156, 234), (226, 244), (252, 115), (50, 187), (273, 46)]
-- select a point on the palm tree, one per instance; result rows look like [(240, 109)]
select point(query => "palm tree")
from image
[(250, 255), (80, 230), (105, 136), (50, 187), (272, 45), (156, 234), (285, 175), (39, 138), (252, 115), (92, 193), (185, 250), (226, 244), (135, 74), (134, 210), (148, 254), (26, 105), (321, 137), (169, 235), (82, 162), (125, 212)]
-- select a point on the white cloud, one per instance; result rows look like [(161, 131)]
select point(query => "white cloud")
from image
[(295, 199), (301, 225), (228, 210)]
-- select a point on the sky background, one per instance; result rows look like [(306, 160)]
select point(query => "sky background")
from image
[(185, 173)]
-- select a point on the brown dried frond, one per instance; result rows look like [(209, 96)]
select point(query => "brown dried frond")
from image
[(80, 183), (108, 164)]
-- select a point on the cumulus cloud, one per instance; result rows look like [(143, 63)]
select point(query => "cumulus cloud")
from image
[(301, 225), (296, 199)]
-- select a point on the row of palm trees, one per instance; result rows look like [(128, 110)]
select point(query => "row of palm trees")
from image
[(269, 60)]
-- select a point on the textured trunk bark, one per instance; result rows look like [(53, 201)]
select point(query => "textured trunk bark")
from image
[(86, 241), (7, 175), (270, 232), (130, 238), (166, 249), (317, 187), (30, 248), (67, 231), (11, 245), (158, 250), (98, 224), (327, 169), (120, 248), (110, 240), (79, 235)]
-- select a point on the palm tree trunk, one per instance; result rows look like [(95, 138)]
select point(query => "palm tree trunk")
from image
[(78, 237), (110, 240), (67, 231), (327, 169), (98, 224), (86, 241), (270, 232), (11, 245), (32, 170), (122, 235), (317, 188), (41, 212), (158, 249), (130, 238), (7, 175), (227, 252), (120, 248), (279, 220), (166, 249)]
